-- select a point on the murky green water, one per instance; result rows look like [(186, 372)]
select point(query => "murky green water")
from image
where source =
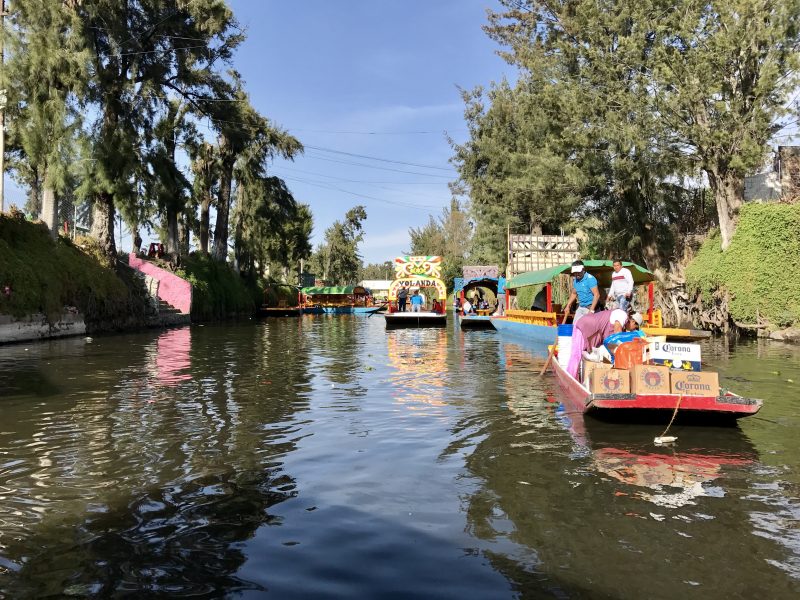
[(325, 457)]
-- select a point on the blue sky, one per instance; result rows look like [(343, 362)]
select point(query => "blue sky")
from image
[(376, 78), (330, 72)]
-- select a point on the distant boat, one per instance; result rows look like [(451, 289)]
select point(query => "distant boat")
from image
[(337, 300), (417, 273)]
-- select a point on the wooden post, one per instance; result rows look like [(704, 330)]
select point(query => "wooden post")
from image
[(651, 299), (549, 288)]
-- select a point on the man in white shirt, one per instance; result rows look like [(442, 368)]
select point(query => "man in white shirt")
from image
[(621, 289)]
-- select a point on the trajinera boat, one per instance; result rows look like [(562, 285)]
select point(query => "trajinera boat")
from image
[(338, 300), (417, 273), (477, 277), (717, 404), (539, 323)]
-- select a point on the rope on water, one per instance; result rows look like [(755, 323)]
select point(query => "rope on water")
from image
[(663, 438)]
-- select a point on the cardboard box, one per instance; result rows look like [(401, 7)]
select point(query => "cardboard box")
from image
[(610, 381), (589, 367), (694, 384), (650, 379), (676, 355)]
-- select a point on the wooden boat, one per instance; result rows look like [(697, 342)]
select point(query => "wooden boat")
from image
[(486, 277), (725, 406), (276, 306), (539, 325), (417, 273), (337, 300)]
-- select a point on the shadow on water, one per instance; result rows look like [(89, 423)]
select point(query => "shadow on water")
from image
[(149, 483)]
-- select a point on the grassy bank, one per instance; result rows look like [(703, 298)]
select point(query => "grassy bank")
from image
[(218, 292), (755, 279), (45, 275)]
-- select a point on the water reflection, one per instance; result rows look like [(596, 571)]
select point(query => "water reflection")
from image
[(110, 493)]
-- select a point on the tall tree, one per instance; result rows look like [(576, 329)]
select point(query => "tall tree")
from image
[(703, 82), (46, 77), (449, 235), (205, 169), (337, 258), (252, 140), (142, 50)]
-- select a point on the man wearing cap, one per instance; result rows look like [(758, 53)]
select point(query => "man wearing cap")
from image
[(584, 288), (593, 329)]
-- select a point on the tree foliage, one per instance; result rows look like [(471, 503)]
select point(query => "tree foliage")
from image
[(448, 236), (631, 99), (337, 259)]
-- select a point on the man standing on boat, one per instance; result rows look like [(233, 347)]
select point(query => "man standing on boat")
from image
[(416, 302), (584, 289), (621, 289), (402, 296)]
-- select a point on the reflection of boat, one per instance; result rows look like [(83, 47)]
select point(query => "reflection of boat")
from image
[(416, 273), (539, 324), (726, 406)]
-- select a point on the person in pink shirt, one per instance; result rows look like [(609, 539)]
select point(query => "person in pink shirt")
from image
[(591, 330)]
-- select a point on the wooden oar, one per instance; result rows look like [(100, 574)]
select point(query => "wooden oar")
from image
[(549, 358)]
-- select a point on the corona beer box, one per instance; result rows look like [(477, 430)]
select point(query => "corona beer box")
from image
[(695, 384), (590, 367), (650, 379), (610, 381), (676, 355)]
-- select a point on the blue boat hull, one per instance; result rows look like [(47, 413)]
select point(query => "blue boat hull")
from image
[(313, 310), (538, 334)]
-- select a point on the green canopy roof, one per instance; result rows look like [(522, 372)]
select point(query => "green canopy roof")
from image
[(344, 290), (601, 269)]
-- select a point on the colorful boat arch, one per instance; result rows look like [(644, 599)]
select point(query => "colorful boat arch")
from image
[(418, 282)]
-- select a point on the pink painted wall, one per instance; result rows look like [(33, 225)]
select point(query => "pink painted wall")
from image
[(171, 288)]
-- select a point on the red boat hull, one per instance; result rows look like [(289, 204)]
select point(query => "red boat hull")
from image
[(727, 406)]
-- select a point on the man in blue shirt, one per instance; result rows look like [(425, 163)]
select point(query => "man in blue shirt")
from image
[(416, 302), (584, 289)]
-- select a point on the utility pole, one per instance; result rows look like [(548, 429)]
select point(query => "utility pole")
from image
[(2, 106)]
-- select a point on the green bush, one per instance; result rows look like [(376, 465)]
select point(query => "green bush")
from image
[(45, 275), (759, 271), (218, 292)]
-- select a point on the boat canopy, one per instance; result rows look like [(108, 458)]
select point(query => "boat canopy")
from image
[(601, 269), (344, 290)]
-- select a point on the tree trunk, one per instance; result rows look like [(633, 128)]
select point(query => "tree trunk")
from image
[(728, 189), (103, 224), (205, 205), (49, 212), (184, 228), (220, 252), (172, 232), (136, 239)]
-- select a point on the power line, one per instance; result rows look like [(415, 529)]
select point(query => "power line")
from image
[(388, 160), (360, 180), (338, 189), (344, 162)]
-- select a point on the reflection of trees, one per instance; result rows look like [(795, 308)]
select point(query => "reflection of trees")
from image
[(151, 481), (597, 511)]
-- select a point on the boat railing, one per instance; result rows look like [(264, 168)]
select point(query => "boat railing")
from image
[(533, 317)]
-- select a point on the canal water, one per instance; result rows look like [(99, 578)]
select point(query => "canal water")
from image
[(325, 457)]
